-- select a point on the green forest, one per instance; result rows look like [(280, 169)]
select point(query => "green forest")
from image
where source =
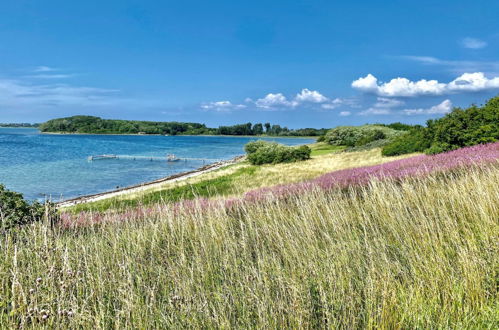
[(18, 125), (97, 125)]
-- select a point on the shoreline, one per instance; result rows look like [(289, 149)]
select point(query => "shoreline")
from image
[(147, 185), (205, 135)]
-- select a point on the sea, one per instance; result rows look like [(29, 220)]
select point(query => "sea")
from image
[(56, 166)]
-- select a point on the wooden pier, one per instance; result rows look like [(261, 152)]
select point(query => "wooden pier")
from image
[(166, 158)]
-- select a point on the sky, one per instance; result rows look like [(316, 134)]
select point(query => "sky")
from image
[(294, 63)]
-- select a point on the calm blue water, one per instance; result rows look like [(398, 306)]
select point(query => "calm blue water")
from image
[(56, 166)]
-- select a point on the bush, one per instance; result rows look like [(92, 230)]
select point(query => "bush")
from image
[(321, 138), (262, 152), (253, 146), (355, 136), (398, 126), (459, 128), (437, 148), (16, 211), (415, 140)]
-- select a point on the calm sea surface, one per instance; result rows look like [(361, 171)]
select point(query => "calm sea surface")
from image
[(56, 166)]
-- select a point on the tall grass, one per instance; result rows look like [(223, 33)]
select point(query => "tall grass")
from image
[(239, 178), (416, 253)]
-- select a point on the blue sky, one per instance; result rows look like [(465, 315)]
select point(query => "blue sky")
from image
[(296, 63)]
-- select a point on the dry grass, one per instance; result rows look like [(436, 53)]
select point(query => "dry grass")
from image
[(418, 254), (245, 177)]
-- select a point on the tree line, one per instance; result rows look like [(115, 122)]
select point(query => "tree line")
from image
[(97, 125), (18, 125), (457, 129)]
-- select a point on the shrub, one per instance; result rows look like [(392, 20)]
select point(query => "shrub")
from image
[(16, 211), (355, 136), (459, 128), (262, 152), (321, 138), (415, 140), (369, 145), (253, 146), (398, 126), (437, 148), (370, 136)]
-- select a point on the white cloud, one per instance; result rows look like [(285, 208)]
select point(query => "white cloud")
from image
[(222, 106), (337, 102), (473, 43), (458, 67), (384, 102), (306, 98), (17, 94), (50, 76), (442, 108), (345, 113), (375, 111), (473, 82), (307, 95), (44, 68), (368, 84), (271, 101), (403, 87)]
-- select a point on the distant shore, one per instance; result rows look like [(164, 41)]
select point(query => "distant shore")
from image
[(147, 185), (207, 135)]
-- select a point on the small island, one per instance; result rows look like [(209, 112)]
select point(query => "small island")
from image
[(97, 125)]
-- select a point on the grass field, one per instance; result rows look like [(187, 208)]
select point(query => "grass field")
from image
[(239, 178), (421, 253)]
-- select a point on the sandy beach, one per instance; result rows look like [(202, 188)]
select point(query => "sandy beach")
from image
[(148, 185)]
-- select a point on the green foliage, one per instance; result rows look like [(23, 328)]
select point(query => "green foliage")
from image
[(415, 140), (398, 126), (437, 148), (459, 128), (322, 148), (96, 125), (369, 145), (16, 211), (253, 146), (18, 125), (356, 136), (220, 186), (321, 138), (262, 152)]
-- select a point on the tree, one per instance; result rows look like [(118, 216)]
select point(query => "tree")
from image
[(15, 211), (258, 129), (267, 128)]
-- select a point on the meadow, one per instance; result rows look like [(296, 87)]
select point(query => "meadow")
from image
[(406, 244), (237, 179)]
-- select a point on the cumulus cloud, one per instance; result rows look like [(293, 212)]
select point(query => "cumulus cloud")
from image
[(222, 106), (473, 43), (307, 95), (272, 101), (473, 82), (337, 102), (403, 87), (368, 84), (345, 113), (383, 102), (442, 108)]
